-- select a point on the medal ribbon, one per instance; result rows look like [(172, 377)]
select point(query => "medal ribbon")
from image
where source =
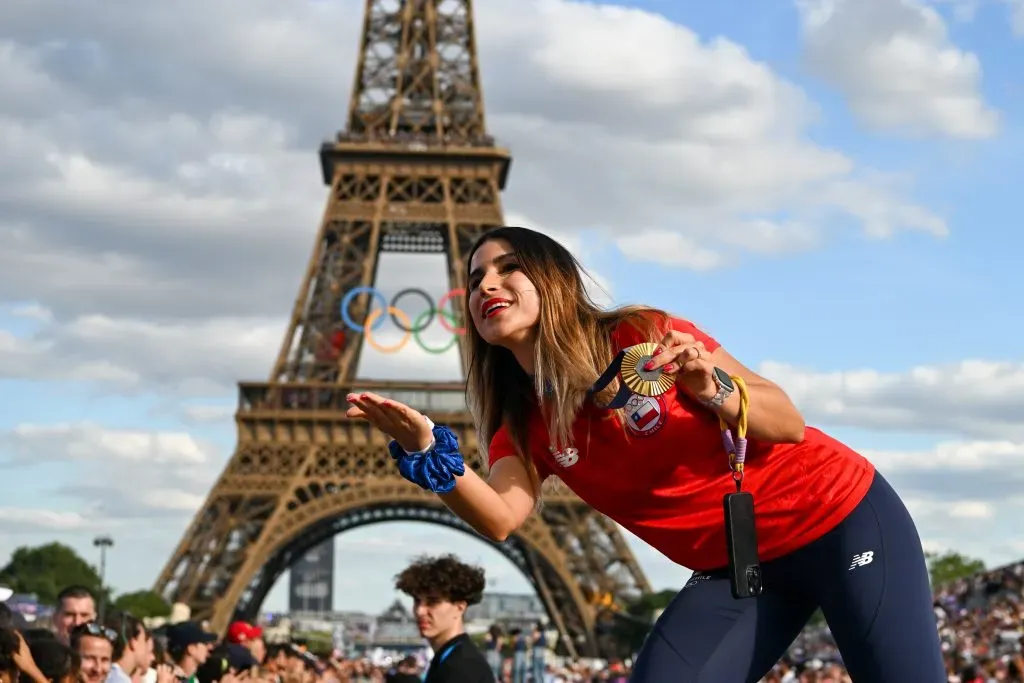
[(628, 365)]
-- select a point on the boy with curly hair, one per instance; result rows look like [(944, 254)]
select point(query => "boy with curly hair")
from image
[(442, 588)]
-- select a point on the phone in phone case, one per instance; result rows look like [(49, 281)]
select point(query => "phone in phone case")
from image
[(741, 542)]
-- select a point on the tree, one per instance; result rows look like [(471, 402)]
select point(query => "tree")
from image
[(143, 604), (950, 566), (46, 570)]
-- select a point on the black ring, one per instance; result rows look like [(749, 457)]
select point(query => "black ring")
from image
[(430, 304)]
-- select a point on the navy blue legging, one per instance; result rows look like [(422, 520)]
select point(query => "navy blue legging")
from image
[(870, 579)]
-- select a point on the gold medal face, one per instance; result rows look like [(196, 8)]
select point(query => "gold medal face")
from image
[(640, 381)]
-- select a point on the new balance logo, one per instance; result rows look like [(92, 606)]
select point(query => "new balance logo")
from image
[(862, 559)]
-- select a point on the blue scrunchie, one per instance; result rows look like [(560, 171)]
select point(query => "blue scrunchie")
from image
[(436, 469)]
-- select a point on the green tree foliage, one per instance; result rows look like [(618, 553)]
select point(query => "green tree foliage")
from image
[(143, 604), (950, 566), (45, 570)]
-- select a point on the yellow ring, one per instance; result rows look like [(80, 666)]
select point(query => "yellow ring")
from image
[(376, 313)]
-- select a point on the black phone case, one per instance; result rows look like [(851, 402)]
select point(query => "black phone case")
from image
[(741, 542)]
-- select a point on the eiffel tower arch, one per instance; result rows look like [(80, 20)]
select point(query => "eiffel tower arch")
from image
[(414, 171)]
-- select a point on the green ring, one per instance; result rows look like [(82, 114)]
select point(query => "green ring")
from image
[(416, 328)]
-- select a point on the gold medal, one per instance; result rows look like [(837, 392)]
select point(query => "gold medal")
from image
[(640, 381)]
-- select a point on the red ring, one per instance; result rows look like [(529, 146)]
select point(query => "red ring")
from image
[(440, 306)]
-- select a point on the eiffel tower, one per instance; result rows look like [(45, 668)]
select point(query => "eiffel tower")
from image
[(414, 171)]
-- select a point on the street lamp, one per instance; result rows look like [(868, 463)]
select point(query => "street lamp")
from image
[(103, 542)]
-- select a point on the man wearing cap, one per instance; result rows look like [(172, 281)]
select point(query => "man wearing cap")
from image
[(188, 646), (249, 635)]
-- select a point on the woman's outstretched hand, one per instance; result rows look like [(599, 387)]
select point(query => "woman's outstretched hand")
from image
[(408, 427)]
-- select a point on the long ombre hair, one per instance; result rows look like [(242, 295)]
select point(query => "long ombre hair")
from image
[(573, 348)]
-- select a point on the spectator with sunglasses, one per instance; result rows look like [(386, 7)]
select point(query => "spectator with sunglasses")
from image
[(94, 643)]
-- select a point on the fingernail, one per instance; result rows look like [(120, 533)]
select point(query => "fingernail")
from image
[(364, 396), (649, 365), (671, 367), (658, 350)]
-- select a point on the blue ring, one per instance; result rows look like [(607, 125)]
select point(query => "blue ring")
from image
[(347, 300)]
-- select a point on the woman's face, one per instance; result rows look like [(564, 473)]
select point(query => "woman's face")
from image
[(503, 302)]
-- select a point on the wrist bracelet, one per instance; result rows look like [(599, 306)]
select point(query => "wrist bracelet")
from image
[(430, 446)]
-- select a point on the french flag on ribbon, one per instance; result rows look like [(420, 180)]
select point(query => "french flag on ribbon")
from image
[(646, 414)]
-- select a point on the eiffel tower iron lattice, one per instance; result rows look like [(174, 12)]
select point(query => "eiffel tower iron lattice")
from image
[(414, 171)]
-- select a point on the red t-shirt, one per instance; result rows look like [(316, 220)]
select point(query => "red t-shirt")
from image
[(665, 481)]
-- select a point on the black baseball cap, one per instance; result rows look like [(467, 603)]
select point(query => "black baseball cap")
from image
[(185, 633), (239, 657)]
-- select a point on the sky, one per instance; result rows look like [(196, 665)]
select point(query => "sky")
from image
[(825, 186)]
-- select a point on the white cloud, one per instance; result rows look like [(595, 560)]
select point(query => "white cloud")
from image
[(950, 457), (197, 413), (33, 312), (93, 444), (119, 475), (976, 398), (963, 10), (186, 197), (951, 475), (964, 496), (966, 11), (958, 509), (896, 66), (32, 520), (1016, 8)]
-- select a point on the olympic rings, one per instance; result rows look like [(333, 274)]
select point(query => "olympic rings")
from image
[(430, 310), (445, 299), (347, 301), (375, 317), (376, 313), (416, 335)]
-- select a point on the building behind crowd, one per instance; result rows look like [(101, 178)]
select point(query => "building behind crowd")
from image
[(395, 627)]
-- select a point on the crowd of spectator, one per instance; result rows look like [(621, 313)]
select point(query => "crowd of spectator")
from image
[(980, 621)]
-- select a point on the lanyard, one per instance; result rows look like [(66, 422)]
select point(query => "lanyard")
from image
[(439, 659), (447, 651), (736, 447)]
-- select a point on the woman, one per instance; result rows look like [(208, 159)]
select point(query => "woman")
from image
[(831, 533)]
